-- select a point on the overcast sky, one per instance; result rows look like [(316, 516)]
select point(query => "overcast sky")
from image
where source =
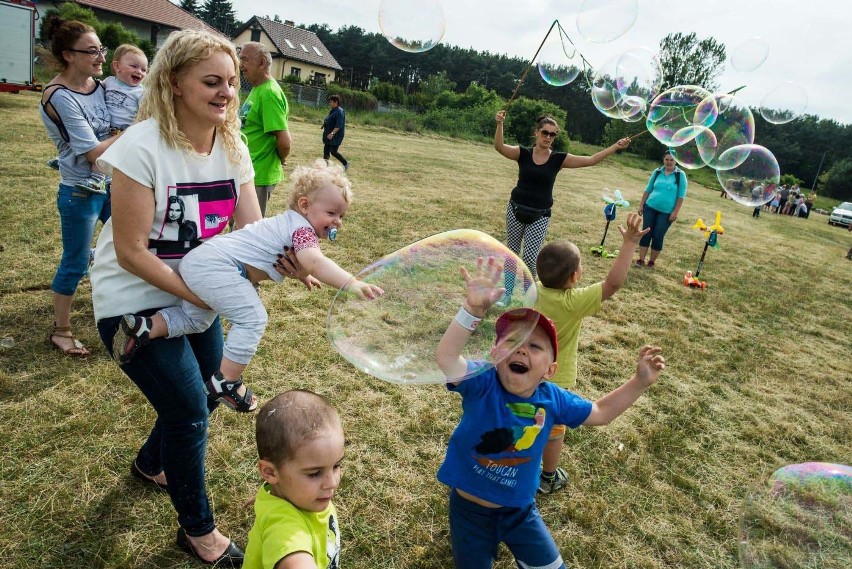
[(810, 43)]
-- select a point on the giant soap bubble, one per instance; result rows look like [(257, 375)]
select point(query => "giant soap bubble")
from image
[(558, 61), (749, 55), (784, 103), (412, 25), (800, 517), (625, 84), (734, 126), (394, 337), (679, 114), (601, 21), (687, 155), (755, 180)]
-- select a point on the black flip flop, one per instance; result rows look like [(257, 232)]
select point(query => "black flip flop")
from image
[(137, 473), (232, 557)]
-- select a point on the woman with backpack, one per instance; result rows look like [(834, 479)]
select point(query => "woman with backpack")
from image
[(659, 207)]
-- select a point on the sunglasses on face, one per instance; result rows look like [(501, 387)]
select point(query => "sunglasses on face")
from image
[(92, 52), (548, 133)]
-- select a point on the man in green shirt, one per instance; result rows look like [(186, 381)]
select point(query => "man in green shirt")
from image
[(264, 117)]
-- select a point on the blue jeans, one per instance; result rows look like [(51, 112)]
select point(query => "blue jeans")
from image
[(659, 223), (170, 373), (476, 533), (79, 212)]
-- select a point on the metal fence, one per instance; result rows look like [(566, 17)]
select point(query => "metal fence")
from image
[(304, 94), (308, 95)]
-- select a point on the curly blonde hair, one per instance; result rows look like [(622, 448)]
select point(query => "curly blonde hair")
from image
[(183, 50), (308, 179)]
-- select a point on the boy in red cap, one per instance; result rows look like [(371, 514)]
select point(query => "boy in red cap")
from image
[(494, 454)]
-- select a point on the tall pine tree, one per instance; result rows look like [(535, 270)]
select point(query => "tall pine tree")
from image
[(220, 14), (190, 6)]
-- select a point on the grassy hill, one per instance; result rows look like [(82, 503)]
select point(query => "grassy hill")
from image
[(758, 376)]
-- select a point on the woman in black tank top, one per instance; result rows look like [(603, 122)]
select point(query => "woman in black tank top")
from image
[(528, 211)]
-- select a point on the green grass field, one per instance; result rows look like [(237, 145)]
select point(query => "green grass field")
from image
[(758, 375)]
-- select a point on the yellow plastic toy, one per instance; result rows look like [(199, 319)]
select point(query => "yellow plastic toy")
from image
[(710, 233)]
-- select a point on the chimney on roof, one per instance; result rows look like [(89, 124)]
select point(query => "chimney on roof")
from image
[(289, 23)]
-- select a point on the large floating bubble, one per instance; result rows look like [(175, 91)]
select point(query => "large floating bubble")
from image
[(412, 25), (394, 337), (558, 61), (800, 517), (601, 21), (734, 126), (625, 84), (784, 103), (755, 180), (749, 55), (681, 113), (687, 155)]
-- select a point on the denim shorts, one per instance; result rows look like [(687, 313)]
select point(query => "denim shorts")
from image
[(476, 532), (79, 213)]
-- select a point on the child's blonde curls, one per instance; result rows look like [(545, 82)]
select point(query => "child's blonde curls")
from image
[(307, 180)]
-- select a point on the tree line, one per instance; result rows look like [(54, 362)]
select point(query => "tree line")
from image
[(805, 147), (447, 79)]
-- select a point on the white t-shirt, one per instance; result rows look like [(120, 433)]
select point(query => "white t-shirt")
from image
[(122, 100), (194, 197), (258, 244)]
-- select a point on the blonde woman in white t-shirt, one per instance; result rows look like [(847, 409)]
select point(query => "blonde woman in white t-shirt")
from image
[(186, 144)]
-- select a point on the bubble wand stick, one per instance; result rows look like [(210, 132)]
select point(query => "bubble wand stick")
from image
[(586, 64), (527, 70)]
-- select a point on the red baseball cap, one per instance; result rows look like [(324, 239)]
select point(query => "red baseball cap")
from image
[(528, 315)]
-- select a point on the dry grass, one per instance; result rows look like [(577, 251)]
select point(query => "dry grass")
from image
[(759, 375)]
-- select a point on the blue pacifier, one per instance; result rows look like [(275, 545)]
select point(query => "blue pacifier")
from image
[(332, 234)]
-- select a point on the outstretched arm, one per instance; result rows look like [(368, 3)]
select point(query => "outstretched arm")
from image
[(327, 271), (618, 272), (510, 152), (482, 293), (288, 265), (604, 410), (572, 161)]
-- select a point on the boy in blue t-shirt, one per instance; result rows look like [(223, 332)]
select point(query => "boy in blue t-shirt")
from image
[(494, 454)]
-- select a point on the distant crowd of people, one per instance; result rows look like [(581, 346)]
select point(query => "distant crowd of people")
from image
[(786, 201), (791, 201)]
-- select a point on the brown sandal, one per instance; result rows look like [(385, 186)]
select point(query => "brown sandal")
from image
[(76, 350)]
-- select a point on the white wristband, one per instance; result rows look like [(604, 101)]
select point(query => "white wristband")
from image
[(467, 320)]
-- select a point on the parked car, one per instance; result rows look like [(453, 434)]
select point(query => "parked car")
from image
[(841, 215)]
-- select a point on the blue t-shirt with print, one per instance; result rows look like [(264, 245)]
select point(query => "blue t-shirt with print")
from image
[(495, 452)]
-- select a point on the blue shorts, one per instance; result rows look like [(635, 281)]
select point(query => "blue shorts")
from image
[(476, 533)]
